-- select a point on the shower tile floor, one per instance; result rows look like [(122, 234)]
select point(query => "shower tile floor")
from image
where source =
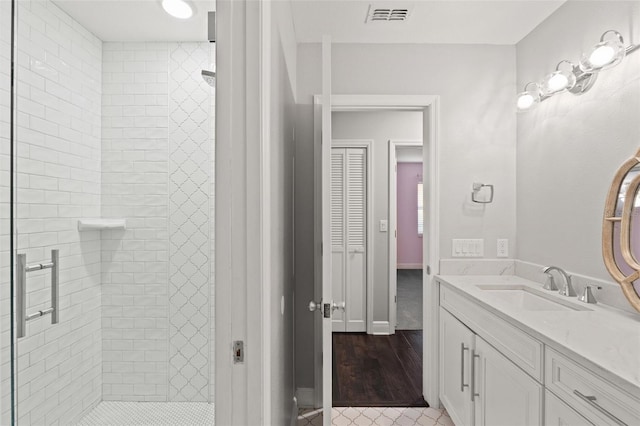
[(378, 416), (117, 413)]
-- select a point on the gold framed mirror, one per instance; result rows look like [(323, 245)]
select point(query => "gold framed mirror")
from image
[(621, 230)]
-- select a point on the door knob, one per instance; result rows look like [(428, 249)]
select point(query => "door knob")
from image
[(315, 306), (335, 306)]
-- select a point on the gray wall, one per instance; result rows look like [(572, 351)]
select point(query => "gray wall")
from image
[(570, 146), (476, 85), (380, 126), (281, 306)]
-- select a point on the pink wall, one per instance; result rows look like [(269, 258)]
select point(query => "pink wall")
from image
[(409, 244)]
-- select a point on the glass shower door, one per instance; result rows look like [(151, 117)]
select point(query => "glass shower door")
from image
[(57, 297), (6, 347)]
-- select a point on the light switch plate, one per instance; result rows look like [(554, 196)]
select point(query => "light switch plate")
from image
[(467, 248)]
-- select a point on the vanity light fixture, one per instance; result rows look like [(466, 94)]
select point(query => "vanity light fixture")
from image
[(577, 78), (178, 8)]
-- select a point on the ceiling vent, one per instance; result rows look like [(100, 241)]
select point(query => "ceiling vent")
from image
[(387, 14)]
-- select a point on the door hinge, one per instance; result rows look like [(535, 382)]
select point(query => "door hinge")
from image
[(428, 270), (238, 352), (395, 298), (321, 249)]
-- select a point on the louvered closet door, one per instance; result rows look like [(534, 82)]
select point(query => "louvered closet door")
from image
[(348, 234)]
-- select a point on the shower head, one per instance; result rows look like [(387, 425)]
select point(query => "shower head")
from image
[(209, 77)]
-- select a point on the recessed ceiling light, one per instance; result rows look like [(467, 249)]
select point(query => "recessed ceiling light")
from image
[(178, 8)]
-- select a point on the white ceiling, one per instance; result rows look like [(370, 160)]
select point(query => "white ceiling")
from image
[(450, 21), (138, 20), (445, 21)]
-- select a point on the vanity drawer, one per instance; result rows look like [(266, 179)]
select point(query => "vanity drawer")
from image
[(592, 396), (557, 413), (522, 349)]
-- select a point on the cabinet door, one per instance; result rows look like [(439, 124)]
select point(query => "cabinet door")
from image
[(456, 342), (504, 395), (557, 413)]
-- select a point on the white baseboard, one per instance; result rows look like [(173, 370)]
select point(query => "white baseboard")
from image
[(305, 397), (381, 328), (409, 266)]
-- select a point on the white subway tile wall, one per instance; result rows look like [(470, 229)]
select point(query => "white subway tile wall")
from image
[(134, 186), (59, 367)]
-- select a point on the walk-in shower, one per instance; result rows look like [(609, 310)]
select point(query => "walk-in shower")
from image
[(106, 215)]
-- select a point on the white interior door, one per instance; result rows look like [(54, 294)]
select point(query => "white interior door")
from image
[(349, 237), (327, 300)]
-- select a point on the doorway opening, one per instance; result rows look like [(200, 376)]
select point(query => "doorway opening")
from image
[(428, 107), (374, 364)]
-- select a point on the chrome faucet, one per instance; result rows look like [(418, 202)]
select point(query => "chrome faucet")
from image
[(567, 289)]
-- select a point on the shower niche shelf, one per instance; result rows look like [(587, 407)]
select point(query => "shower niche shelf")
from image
[(101, 224)]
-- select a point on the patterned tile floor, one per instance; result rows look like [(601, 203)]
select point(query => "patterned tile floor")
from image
[(116, 413), (383, 416)]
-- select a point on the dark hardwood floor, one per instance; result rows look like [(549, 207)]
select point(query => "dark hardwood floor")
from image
[(378, 371)]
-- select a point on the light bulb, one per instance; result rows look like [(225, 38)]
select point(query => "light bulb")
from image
[(529, 98), (525, 101), (557, 82), (177, 8), (602, 56), (606, 54)]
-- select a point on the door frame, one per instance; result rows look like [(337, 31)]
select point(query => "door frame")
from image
[(394, 144), (430, 106), (368, 145)]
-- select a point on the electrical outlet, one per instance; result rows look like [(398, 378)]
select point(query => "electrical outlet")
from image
[(503, 247)]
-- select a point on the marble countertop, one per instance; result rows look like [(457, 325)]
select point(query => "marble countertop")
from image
[(605, 340)]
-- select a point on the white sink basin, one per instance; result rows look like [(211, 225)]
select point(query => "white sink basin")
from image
[(530, 299)]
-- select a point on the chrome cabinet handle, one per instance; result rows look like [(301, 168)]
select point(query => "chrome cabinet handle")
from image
[(21, 290), (591, 400), (463, 348), (474, 355)]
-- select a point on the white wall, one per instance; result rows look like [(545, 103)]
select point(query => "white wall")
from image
[(477, 142), (570, 147), (254, 233), (380, 126)]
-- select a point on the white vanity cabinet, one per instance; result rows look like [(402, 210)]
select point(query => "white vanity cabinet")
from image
[(493, 372), (456, 342), (480, 386)]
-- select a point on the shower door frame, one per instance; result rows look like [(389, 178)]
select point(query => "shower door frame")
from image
[(13, 19)]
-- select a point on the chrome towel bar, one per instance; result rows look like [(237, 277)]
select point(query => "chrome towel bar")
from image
[(21, 290)]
